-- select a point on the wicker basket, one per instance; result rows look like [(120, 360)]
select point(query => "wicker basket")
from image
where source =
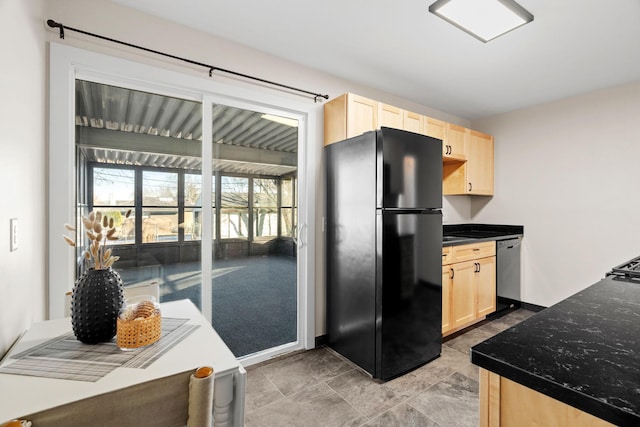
[(138, 332), (139, 323)]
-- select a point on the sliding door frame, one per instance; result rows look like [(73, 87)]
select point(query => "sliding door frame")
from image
[(68, 64)]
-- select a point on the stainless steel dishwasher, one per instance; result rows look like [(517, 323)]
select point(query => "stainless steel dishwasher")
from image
[(508, 273)]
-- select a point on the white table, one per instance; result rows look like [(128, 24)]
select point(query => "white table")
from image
[(22, 395)]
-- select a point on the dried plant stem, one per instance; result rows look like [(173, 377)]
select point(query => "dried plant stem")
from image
[(99, 228)]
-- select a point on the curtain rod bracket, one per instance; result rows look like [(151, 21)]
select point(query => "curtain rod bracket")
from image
[(316, 96), (54, 24)]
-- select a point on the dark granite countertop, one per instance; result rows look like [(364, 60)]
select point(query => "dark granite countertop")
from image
[(461, 234), (583, 351)]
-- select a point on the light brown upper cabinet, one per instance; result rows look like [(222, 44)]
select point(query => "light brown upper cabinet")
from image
[(436, 129), (390, 116), (467, 155), (347, 116), (480, 164), (412, 122), (455, 143), (475, 175)]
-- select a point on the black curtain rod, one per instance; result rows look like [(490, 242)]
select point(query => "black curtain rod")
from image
[(53, 24)]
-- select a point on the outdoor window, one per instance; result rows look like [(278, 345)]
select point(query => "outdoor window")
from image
[(287, 206), (265, 207), (169, 203), (191, 223), (159, 206), (234, 207), (213, 208), (113, 191)]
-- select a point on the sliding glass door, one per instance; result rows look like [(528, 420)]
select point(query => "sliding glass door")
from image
[(143, 152), (140, 151), (254, 281)]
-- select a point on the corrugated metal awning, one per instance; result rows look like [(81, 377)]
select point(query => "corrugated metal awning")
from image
[(129, 127)]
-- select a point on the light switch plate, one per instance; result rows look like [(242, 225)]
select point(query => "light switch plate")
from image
[(13, 234)]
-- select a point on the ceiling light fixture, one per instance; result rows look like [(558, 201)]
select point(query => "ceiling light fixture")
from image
[(483, 19), (282, 120)]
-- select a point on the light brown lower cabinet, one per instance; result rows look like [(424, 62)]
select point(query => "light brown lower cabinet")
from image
[(486, 286), (446, 298), (505, 403), (468, 285)]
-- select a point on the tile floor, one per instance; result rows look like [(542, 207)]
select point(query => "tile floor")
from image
[(319, 388)]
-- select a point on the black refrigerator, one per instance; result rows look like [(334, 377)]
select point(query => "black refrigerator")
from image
[(384, 250)]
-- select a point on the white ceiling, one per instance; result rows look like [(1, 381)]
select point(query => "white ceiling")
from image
[(571, 47)]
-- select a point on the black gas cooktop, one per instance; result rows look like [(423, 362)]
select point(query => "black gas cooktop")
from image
[(628, 271)]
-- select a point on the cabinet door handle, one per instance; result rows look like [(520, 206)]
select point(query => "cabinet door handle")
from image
[(450, 149), (478, 264), (452, 273), (469, 186)]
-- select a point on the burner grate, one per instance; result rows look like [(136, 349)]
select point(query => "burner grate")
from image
[(629, 269)]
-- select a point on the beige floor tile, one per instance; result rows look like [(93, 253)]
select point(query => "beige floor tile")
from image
[(320, 388), (293, 374), (402, 415), (260, 391), (508, 320), (520, 315), (467, 340), (471, 371), (369, 396), (453, 402), (317, 405)]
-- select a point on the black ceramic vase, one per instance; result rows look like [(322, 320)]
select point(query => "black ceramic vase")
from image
[(95, 301)]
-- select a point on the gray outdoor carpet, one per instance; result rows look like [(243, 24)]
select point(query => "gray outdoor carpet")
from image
[(254, 298)]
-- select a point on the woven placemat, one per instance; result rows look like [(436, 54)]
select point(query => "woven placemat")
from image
[(64, 357)]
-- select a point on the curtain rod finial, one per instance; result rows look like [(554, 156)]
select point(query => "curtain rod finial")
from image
[(54, 24)]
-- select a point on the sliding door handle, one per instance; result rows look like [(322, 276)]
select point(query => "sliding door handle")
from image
[(301, 236)]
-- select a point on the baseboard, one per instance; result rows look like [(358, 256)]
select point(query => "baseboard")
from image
[(322, 340), (532, 307)]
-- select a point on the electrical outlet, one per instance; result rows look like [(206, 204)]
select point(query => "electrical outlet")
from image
[(13, 234), (444, 217)]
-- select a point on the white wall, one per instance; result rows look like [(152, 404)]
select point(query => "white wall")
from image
[(23, 171), (569, 172), (456, 209)]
